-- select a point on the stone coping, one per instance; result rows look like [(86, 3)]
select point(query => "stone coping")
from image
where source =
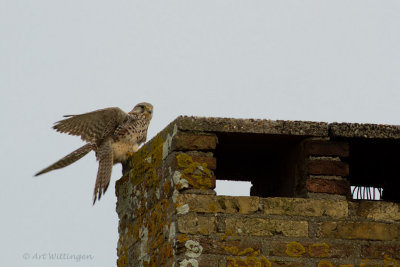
[(361, 130), (287, 127), (258, 126)]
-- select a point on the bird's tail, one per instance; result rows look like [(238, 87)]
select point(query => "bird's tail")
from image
[(69, 159), (105, 158)]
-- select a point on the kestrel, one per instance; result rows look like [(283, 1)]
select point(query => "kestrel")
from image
[(113, 134)]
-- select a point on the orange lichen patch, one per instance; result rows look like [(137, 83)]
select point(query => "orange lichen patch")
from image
[(265, 261), (121, 261), (162, 258), (197, 174), (223, 236), (319, 250), (228, 233), (295, 249), (167, 187), (182, 238), (325, 263), (231, 262), (134, 230)]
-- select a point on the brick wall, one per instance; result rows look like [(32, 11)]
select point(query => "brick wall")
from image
[(170, 215)]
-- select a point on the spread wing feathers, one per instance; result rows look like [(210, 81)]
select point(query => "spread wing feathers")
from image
[(92, 126), (105, 158), (69, 159)]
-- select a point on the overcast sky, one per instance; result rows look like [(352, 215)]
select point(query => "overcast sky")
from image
[(294, 60)]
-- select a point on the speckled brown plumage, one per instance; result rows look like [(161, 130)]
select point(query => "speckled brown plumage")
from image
[(113, 134)]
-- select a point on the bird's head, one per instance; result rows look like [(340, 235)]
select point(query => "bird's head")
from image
[(145, 108)]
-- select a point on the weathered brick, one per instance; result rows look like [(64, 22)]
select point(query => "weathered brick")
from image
[(266, 227), (221, 246), (311, 250), (328, 167), (207, 260), (196, 224), (326, 148), (210, 161), (369, 263), (194, 142), (358, 230), (305, 207), (172, 160), (378, 251), (319, 185), (379, 210), (219, 204)]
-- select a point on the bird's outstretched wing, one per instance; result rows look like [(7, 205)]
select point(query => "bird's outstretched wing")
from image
[(92, 126), (105, 157)]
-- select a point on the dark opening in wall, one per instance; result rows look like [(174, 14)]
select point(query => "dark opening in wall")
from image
[(267, 161), (375, 164)]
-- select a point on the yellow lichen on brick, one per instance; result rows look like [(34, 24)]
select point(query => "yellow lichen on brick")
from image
[(145, 163), (197, 174), (389, 262), (146, 225), (249, 251), (213, 207), (249, 261), (233, 250), (265, 261), (246, 257), (364, 262), (295, 249)]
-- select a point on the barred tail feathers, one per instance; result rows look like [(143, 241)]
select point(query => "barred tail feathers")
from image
[(68, 159)]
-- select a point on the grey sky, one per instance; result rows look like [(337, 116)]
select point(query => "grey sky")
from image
[(297, 60)]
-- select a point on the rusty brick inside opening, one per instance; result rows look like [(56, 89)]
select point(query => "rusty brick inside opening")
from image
[(269, 162)]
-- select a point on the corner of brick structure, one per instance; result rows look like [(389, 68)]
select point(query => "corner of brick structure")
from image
[(170, 214)]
